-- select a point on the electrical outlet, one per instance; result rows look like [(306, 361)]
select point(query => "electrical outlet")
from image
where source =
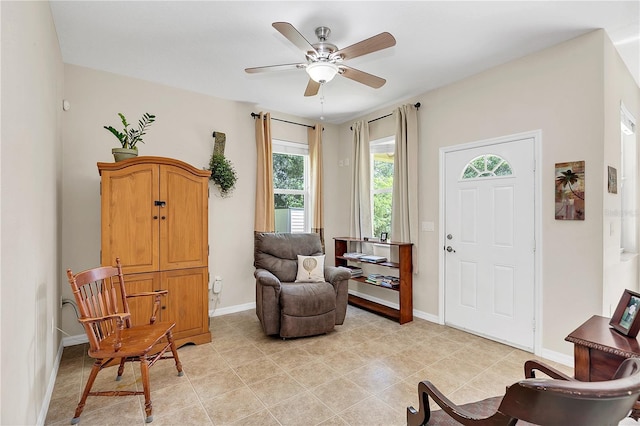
[(217, 285)]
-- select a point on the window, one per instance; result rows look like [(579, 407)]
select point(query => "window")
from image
[(487, 165), (628, 179), (382, 151), (291, 186)]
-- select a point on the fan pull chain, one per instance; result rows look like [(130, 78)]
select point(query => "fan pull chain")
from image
[(322, 102)]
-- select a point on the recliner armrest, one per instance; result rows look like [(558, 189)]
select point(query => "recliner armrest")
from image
[(335, 274), (264, 277)]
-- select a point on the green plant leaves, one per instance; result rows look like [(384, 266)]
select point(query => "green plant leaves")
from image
[(130, 137), (223, 174)]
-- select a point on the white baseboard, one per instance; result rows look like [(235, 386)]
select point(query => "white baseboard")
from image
[(558, 357), (49, 392), (426, 316), (75, 340), (232, 309)]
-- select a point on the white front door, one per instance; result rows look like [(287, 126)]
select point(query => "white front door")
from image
[(490, 241)]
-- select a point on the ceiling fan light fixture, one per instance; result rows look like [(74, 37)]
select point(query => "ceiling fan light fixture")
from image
[(322, 72)]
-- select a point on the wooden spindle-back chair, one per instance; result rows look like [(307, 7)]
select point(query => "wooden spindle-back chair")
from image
[(104, 312)]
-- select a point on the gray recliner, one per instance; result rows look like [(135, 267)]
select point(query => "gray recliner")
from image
[(295, 309)]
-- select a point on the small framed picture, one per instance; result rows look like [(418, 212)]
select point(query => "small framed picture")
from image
[(384, 237), (625, 319), (612, 180)]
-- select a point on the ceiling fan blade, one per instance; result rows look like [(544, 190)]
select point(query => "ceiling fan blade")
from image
[(312, 88), (370, 45), (362, 77), (270, 68), (294, 36)]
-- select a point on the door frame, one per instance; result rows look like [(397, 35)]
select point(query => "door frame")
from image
[(536, 135)]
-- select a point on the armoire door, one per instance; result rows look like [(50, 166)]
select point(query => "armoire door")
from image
[(183, 219), (186, 302), (130, 218)]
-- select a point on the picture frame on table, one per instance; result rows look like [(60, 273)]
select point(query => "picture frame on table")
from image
[(625, 319), (384, 237)]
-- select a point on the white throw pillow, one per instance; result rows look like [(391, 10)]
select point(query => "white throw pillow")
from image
[(310, 269)]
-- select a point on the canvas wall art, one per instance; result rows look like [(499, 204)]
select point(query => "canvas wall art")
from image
[(569, 184)]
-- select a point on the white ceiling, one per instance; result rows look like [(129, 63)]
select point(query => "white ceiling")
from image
[(204, 46)]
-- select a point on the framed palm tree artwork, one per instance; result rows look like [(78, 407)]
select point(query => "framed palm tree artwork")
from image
[(569, 188)]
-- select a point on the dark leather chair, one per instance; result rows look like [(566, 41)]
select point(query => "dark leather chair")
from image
[(559, 400), (296, 309)]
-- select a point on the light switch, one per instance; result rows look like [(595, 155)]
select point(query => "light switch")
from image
[(340, 163)]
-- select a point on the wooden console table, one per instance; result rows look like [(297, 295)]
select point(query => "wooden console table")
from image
[(598, 349)]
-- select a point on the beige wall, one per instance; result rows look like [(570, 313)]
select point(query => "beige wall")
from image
[(619, 86), (30, 199), (559, 91), (183, 130)]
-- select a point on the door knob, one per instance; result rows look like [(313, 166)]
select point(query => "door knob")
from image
[(450, 249)]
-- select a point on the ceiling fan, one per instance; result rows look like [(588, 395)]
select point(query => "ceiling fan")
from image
[(325, 60)]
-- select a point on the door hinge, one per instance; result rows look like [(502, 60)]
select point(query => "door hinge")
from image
[(533, 325), (100, 188), (208, 251)]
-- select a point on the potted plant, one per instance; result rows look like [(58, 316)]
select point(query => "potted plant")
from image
[(223, 174), (130, 137)]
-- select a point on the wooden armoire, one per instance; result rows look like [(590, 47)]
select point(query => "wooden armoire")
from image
[(155, 219)]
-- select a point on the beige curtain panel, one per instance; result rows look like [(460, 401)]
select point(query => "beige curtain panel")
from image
[(314, 136), (265, 211), (404, 210), (360, 222)]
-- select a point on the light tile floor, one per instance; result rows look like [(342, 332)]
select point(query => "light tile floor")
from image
[(366, 372)]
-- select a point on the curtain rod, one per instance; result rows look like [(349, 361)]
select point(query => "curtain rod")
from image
[(417, 105), (254, 115)]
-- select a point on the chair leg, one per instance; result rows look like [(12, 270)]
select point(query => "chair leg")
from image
[(97, 365), (121, 369), (144, 372), (174, 351)]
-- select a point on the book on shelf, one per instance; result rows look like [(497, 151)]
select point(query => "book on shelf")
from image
[(383, 280), (353, 255), (390, 281), (356, 271), (374, 278), (373, 258)]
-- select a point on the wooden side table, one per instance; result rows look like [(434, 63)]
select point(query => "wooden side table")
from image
[(598, 351)]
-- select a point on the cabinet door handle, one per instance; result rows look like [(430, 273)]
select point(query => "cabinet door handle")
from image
[(163, 217), (155, 217)]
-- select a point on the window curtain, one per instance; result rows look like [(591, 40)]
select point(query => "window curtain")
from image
[(314, 135), (404, 210), (360, 223), (265, 210)]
